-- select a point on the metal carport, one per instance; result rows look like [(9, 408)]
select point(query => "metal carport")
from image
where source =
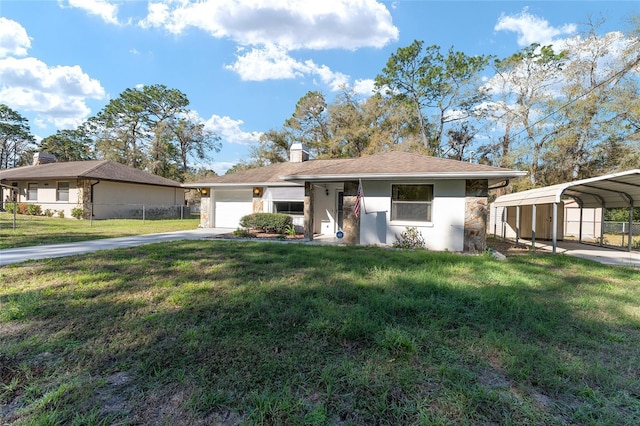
[(617, 190)]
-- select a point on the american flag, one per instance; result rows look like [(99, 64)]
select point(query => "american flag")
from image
[(356, 208)]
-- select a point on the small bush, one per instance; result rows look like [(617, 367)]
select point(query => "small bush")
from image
[(34, 209), (22, 208), (268, 222), (48, 213), (77, 212), (411, 238), (61, 214), (242, 233), (9, 207)]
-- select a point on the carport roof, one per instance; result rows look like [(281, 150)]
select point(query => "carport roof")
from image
[(610, 191)]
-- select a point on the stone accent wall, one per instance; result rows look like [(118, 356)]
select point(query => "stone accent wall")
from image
[(350, 223), (475, 215), (84, 197), (258, 205), (205, 209)]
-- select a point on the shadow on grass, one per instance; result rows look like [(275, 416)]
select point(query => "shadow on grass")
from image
[(279, 333)]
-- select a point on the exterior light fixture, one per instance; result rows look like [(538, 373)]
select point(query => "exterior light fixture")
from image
[(204, 192), (257, 192)]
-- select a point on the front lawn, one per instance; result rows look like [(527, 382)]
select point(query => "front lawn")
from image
[(228, 332), (38, 230)]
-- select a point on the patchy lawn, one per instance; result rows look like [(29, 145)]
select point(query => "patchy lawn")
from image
[(39, 230), (229, 332)]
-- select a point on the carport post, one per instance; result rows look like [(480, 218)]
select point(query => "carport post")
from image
[(533, 226), (580, 227), (630, 245), (495, 221), (517, 224), (554, 230), (602, 226)]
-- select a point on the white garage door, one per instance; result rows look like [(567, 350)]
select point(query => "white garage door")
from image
[(230, 205)]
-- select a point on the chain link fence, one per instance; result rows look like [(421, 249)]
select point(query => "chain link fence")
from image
[(99, 211)]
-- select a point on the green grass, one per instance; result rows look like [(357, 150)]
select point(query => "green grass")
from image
[(221, 332), (39, 230)]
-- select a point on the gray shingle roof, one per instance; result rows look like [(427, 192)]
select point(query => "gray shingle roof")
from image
[(393, 164), (92, 169)]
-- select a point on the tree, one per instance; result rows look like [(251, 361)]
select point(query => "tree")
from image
[(597, 110), (131, 126), (192, 139), (15, 137), (447, 87), (69, 145), (523, 86)]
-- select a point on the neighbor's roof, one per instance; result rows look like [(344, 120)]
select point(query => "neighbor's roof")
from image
[(610, 191), (92, 169), (389, 165)]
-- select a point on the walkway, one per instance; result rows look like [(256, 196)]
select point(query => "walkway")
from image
[(592, 252), (22, 254)]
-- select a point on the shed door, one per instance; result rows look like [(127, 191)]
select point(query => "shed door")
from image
[(230, 205)]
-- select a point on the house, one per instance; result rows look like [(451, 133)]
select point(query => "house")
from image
[(102, 188), (367, 200)]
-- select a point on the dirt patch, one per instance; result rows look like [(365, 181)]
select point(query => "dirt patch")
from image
[(507, 247)]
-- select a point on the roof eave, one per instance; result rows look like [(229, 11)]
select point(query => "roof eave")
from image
[(236, 184), (495, 175)]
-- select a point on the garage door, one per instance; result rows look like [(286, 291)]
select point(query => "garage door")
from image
[(230, 206)]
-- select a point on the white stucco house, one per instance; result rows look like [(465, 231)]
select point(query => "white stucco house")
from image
[(446, 200), (103, 189)]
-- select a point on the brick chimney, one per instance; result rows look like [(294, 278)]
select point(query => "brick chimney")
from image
[(43, 158), (298, 154)]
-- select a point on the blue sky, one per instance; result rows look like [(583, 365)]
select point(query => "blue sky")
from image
[(244, 64)]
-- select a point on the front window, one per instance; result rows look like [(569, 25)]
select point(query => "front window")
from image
[(289, 207), (32, 192), (63, 191), (411, 203)]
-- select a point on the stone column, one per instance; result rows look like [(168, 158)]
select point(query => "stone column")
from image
[(84, 197), (205, 211), (351, 223), (258, 204), (308, 211), (475, 215)]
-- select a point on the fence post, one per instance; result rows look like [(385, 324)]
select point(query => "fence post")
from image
[(181, 212), (143, 213), (15, 207)]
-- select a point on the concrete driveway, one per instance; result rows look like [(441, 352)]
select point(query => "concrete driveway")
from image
[(603, 255), (22, 254)]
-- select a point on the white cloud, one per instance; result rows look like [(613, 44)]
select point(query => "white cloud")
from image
[(273, 62), (327, 24), (56, 94), (13, 38), (107, 11), (532, 29), (364, 87), (230, 130)]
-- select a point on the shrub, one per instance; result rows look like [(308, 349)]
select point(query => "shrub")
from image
[(34, 209), (22, 208), (411, 238), (9, 207), (77, 212), (48, 213), (268, 222), (61, 214)]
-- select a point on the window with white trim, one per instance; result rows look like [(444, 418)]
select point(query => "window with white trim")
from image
[(63, 191), (32, 192), (411, 203)]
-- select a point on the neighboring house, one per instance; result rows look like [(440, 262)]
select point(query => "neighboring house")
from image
[(444, 199), (102, 188)]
